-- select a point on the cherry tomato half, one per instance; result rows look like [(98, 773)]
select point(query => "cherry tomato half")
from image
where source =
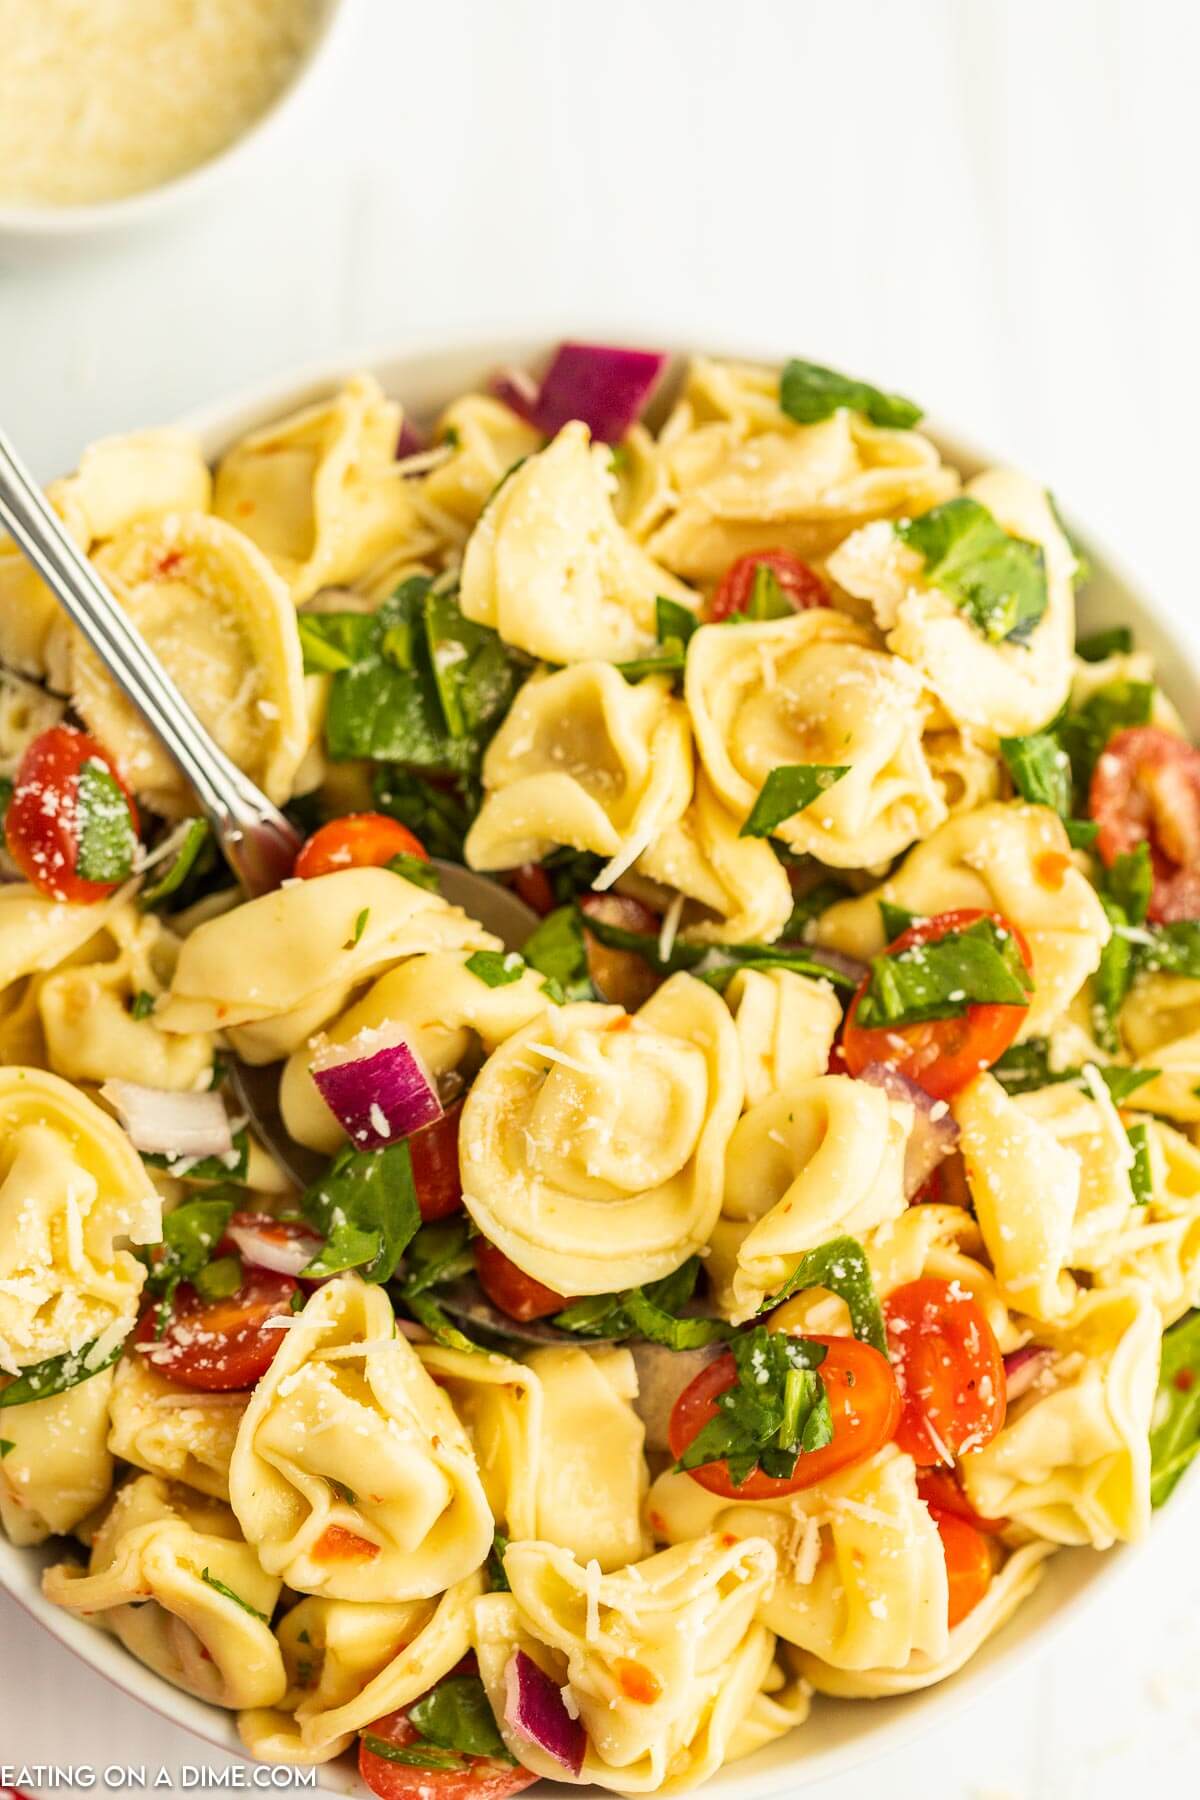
[(43, 826), (220, 1345), (941, 1491), (531, 884), (863, 1400), (434, 1153), (969, 1566), (801, 585), (1146, 789), (622, 977), (483, 1777), (949, 1368), (941, 1054), (509, 1288), (359, 841)]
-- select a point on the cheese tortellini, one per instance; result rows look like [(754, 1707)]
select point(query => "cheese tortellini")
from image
[(553, 571), (56, 1468), (170, 1431), (734, 888), (786, 1024), (352, 1476), (593, 1141), (814, 689), (584, 758)]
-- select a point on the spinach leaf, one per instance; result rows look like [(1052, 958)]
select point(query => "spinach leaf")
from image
[(218, 1279), (776, 1411), (841, 1266), (1141, 1178), (1085, 730), (787, 791), (1173, 949), (1026, 1067), (556, 949), (365, 1207), (809, 906), (896, 920), (649, 1312), (40, 1381), (106, 838), (227, 1593), (809, 392), (999, 581), (426, 1310), (195, 839), (1117, 641), (673, 623), (422, 874), (980, 965), (439, 815), (497, 1579), (496, 968), (1040, 770), (190, 1234), (1175, 1434), (142, 1005), (455, 1715), (439, 1252), (1125, 895), (417, 1755)]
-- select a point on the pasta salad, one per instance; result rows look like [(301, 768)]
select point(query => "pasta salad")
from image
[(735, 1293)]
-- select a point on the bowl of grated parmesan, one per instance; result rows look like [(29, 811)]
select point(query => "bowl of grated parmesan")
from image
[(112, 110)]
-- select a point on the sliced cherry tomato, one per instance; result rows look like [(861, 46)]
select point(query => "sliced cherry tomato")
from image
[(941, 1491), (941, 1054), (43, 827), (969, 1565), (1146, 790), (531, 884), (434, 1153), (622, 977), (482, 1777), (949, 1368), (800, 584), (220, 1345), (863, 1400), (509, 1288), (359, 841)]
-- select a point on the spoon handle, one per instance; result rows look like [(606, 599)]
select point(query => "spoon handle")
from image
[(258, 842)]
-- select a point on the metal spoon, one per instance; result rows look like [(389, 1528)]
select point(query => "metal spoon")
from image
[(258, 842)]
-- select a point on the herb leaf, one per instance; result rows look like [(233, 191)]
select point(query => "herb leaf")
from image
[(1175, 1435), (227, 1593), (787, 791), (1085, 730), (776, 1411), (439, 1252), (1040, 770), (556, 950), (497, 1579), (841, 1266), (365, 1207), (190, 1234), (196, 837), (673, 623), (441, 816), (999, 581), (106, 838), (650, 1312), (496, 968), (422, 874), (455, 1715), (809, 392), (1117, 641), (56, 1374), (980, 965), (426, 1310)]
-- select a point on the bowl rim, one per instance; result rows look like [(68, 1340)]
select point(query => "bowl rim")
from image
[(58, 223), (1075, 1578)]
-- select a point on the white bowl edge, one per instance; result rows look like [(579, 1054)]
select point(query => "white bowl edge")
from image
[(840, 1733)]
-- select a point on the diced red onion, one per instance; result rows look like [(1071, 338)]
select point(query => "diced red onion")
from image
[(376, 1086), (534, 1709), (604, 385), (274, 1250), (410, 442), (1023, 1367), (162, 1123), (662, 1376), (934, 1134)]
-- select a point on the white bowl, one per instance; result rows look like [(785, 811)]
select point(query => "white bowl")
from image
[(840, 1733), (46, 229)]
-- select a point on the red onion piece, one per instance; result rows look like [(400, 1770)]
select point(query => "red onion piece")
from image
[(410, 442), (377, 1087), (934, 1134), (268, 1249), (1023, 1367), (162, 1123), (604, 385), (534, 1709)]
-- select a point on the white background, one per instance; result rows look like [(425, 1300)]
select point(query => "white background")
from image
[(990, 206)]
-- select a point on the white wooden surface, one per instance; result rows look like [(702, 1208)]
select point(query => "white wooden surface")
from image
[(989, 205)]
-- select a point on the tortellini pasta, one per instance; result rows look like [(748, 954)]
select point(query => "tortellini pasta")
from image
[(485, 440), (37, 933), (786, 1024), (351, 1476), (813, 689), (811, 1162), (56, 1467), (735, 889), (448, 1014), (222, 623), (1007, 688), (280, 967), (550, 568), (741, 474), (1160, 1242), (1160, 1022), (861, 1579), (662, 1659), (72, 1191), (171, 1577), (318, 492), (25, 712), (1013, 859), (584, 758), (1072, 1461), (172, 1431), (593, 1141)]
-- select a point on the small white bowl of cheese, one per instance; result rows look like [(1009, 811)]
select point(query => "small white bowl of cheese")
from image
[(112, 111)]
